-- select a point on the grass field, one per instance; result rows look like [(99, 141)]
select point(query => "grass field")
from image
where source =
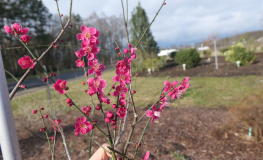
[(209, 92)]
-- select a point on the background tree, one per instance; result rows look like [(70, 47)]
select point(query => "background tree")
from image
[(138, 23)]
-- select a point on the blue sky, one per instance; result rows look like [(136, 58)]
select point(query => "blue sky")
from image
[(180, 21)]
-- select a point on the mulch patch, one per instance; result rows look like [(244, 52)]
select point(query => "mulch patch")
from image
[(195, 133)]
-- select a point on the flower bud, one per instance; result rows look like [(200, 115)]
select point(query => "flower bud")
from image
[(94, 121), (97, 108), (34, 111), (44, 79), (109, 114), (70, 104), (45, 116), (53, 74), (114, 127), (22, 86), (126, 51), (66, 88), (114, 106), (52, 137), (113, 122), (83, 83), (69, 100), (113, 86), (133, 92), (107, 120), (119, 53)]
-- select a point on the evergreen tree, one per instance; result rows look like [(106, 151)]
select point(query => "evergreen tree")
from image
[(138, 23)]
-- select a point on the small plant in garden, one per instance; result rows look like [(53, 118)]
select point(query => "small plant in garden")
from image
[(207, 53), (122, 89), (238, 52), (190, 57)]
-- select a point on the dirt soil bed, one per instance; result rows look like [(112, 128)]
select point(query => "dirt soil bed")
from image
[(205, 69), (196, 133)]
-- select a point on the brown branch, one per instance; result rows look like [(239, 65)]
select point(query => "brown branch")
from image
[(12, 94)]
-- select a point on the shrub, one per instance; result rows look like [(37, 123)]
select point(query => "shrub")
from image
[(155, 63), (172, 55), (249, 112), (224, 50), (207, 53), (190, 57), (238, 52)]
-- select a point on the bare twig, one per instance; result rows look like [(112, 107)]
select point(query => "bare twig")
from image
[(63, 138)]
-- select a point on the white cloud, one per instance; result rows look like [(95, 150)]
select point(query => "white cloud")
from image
[(180, 21)]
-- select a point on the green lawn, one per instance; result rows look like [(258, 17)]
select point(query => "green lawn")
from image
[(209, 92)]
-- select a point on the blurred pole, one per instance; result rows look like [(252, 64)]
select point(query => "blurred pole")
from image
[(215, 55), (8, 137)]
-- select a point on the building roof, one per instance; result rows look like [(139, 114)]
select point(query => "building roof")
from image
[(203, 48), (166, 52)]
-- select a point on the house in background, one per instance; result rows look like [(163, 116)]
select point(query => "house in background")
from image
[(166, 52)]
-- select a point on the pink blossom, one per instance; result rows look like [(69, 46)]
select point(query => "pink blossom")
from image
[(122, 101), (83, 126), (155, 113), (96, 84), (123, 64), (79, 55), (104, 98), (86, 110), (91, 50), (26, 62), (95, 67), (123, 76), (80, 63), (184, 84), (25, 38), (88, 33), (17, 28), (60, 86), (120, 90), (146, 157), (175, 93), (121, 112), (57, 121), (164, 104)]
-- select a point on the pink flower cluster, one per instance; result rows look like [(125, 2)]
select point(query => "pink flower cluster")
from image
[(19, 31), (176, 92), (89, 37), (123, 76), (26, 61), (173, 92)]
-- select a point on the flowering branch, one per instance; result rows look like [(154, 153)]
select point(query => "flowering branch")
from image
[(45, 129), (40, 58)]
